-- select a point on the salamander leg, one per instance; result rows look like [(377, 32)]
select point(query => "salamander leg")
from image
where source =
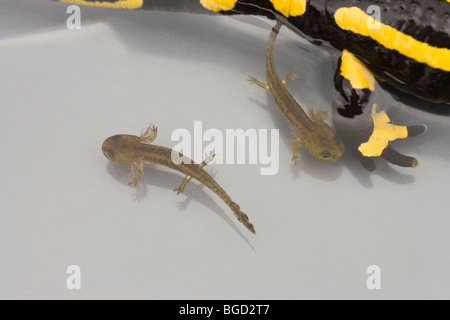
[(378, 144), (253, 80), (180, 188), (296, 145), (393, 156), (149, 135), (290, 76), (137, 172), (365, 130)]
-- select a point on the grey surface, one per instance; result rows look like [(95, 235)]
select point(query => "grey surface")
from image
[(319, 226)]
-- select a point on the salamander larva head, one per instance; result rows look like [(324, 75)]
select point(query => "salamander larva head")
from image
[(327, 155), (326, 146), (108, 147), (334, 151), (117, 148)]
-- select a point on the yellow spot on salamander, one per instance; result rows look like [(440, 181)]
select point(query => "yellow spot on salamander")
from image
[(290, 8), (218, 5), (355, 20), (356, 72), (118, 4), (383, 133)]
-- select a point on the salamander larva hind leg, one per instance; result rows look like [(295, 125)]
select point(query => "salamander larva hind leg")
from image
[(254, 80), (180, 188), (290, 76)]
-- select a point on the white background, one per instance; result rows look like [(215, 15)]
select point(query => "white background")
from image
[(319, 225)]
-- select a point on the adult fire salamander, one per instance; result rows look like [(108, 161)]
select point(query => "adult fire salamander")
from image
[(409, 47), (405, 43)]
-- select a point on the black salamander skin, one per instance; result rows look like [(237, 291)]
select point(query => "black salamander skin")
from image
[(426, 20)]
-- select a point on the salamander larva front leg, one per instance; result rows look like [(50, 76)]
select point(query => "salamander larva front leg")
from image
[(137, 172), (149, 135), (180, 188), (290, 76), (296, 145)]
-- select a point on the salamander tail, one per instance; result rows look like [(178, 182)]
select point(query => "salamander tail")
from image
[(242, 217)]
